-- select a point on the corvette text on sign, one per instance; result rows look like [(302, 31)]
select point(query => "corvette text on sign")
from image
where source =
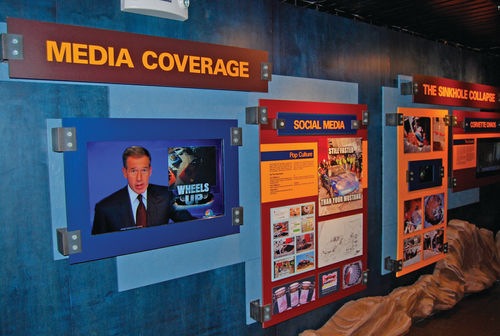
[(443, 91), (71, 53)]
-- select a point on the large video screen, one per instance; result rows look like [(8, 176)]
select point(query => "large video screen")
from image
[(180, 180)]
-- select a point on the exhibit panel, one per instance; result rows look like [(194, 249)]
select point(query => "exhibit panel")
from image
[(313, 165), (476, 149), (421, 93), (422, 188), (191, 181)]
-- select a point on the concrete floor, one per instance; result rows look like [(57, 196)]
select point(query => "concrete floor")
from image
[(475, 315)]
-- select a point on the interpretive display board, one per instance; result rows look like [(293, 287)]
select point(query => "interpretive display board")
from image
[(188, 182), (476, 149), (313, 205), (422, 188)]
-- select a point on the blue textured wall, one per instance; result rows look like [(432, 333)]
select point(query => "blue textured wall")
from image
[(40, 296)]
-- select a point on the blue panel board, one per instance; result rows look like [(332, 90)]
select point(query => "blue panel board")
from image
[(155, 134), (182, 260), (391, 100)]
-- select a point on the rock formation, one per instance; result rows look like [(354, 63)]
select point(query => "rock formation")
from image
[(471, 265)]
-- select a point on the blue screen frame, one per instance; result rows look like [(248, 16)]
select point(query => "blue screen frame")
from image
[(144, 132)]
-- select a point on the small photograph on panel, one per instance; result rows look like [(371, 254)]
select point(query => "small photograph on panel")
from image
[(412, 252), (438, 134), (294, 211), (307, 224), (284, 267), (293, 295), (280, 214), (340, 187), (433, 210), (413, 215), (280, 229), (284, 247), (433, 243), (295, 225), (352, 274), (328, 282), (417, 134), (281, 299), (307, 209), (305, 242), (305, 262), (307, 290)]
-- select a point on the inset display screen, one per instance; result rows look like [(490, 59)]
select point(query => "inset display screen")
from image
[(488, 157)]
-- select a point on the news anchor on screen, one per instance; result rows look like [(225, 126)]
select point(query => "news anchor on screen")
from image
[(139, 204)]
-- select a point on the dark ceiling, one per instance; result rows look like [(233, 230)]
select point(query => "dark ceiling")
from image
[(470, 24)]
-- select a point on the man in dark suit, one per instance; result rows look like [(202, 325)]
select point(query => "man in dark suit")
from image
[(139, 204)]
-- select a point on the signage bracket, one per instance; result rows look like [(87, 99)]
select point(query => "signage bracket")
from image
[(11, 47)]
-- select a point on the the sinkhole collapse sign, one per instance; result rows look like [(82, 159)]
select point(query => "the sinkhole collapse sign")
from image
[(443, 91)]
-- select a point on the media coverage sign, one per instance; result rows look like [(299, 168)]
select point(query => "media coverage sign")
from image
[(443, 91), (71, 53)]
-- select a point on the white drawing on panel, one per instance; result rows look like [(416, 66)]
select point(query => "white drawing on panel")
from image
[(340, 239)]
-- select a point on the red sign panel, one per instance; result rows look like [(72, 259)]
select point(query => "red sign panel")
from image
[(442, 91), (70, 53)]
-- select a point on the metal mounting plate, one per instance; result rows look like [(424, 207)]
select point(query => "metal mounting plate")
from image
[(237, 216), (393, 265), (256, 115), (64, 139), (11, 47), (266, 71), (236, 136), (394, 119), (68, 242), (260, 313)]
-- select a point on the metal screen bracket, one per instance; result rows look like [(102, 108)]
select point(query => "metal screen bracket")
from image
[(68, 242), (260, 313), (11, 47), (393, 265), (64, 139), (236, 136), (237, 216)]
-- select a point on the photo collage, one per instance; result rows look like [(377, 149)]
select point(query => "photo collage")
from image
[(293, 240), (420, 216), (424, 213)]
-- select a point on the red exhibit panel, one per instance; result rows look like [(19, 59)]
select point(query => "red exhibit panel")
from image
[(313, 168), (422, 188), (476, 149)]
